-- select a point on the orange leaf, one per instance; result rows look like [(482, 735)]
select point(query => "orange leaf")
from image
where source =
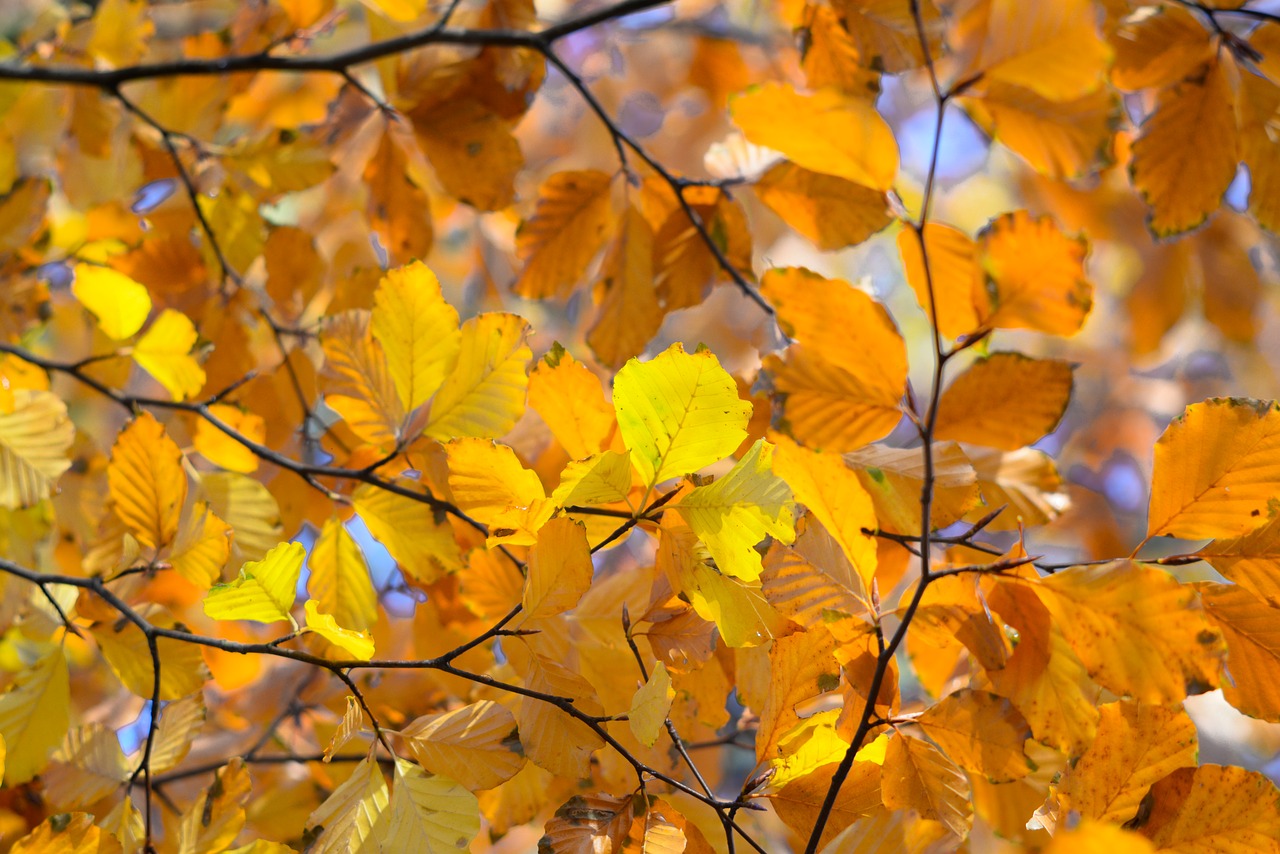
[(1037, 275), (571, 224), (978, 408)]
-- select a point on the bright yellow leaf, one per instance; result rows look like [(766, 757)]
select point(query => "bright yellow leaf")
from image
[(977, 407), (120, 304), (357, 380), (147, 481), (826, 132), (571, 402), (223, 451), (798, 801), (34, 716), (678, 413), (180, 723), (560, 569), (602, 478), (802, 666), (1214, 470), (265, 590), (418, 332), (358, 643), (484, 395), (1095, 837), (339, 579), (352, 816), (34, 438), (422, 545), (486, 478), (164, 351), (249, 508), (733, 514), (650, 705)]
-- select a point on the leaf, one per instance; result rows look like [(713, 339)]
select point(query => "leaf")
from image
[(1092, 837), (352, 724), (1213, 808), (982, 733), (221, 449), (561, 744), (630, 310), (830, 491), (1183, 187), (811, 593), (588, 824), (265, 590), (1158, 49), (87, 767), (1036, 275), (1136, 747), (429, 814), (571, 402), (358, 383), (353, 818), (1249, 627), (339, 579), (603, 478), (34, 437), (486, 478), (478, 744), (1137, 630), (67, 833), (978, 408), (120, 304), (357, 643), (218, 815), (956, 277), (650, 705), (916, 776), (164, 351), (560, 569), (799, 801), (678, 413), (572, 222), (472, 150), (1251, 560), (830, 211), (736, 512), (893, 477), (837, 391), (1214, 470), (125, 647), (418, 332), (249, 508), (180, 723), (885, 34), (422, 545), (1026, 480), (399, 209), (827, 132), (34, 716), (148, 484), (484, 394), (802, 666)]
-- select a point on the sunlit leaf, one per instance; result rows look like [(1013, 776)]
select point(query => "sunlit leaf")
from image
[(265, 590), (428, 813), (477, 744), (418, 332), (978, 408), (484, 394), (650, 705), (34, 437), (34, 715), (147, 481), (356, 643), (120, 304), (164, 351)]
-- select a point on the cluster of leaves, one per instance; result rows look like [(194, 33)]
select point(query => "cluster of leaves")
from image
[(547, 601)]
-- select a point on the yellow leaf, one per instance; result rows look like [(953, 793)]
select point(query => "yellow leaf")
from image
[(799, 801), (218, 815), (832, 212), (650, 705), (1213, 474), (202, 548), (1136, 629), (571, 402), (1214, 808), (249, 508), (124, 646), (34, 437), (1037, 275), (484, 394), (164, 351), (87, 767), (837, 391), (429, 813), (223, 451), (1053, 49), (1136, 746), (602, 478), (982, 733), (472, 149), (810, 592), (120, 304), (833, 55), (34, 716), (893, 477), (802, 666), (559, 743), (736, 512), (358, 384), (885, 34), (486, 478), (827, 132), (180, 723), (560, 569), (477, 744), (265, 590), (1094, 837), (399, 210), (630, 311), (978, 408), (1183, 185), (147, 481), (339, 579), (678, 413), (1026, 480), (1158, 48), (953, 269), (1250, 628), (830, 491), (418, 332), (572, 222), (358, 643), (916, 776), (353, 817), (422, 545), (67, 833), (352, 723), (811, 744)]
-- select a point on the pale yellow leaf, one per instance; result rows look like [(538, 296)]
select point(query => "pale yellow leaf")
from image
[(477, 744), (650, 705), (429, 814), (34, 437), (34, 715)]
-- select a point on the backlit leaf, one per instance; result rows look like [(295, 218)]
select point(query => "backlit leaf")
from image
[(476, 743), (34, 715), (560, 569), (265, 590), (953, 271), (1036, 275), (353, 817), (994, 749), (978, 408), (34, 437), (123, 645), (572, 222), (551, 739), (832, 212), (359, 386), (1250, 628), (484, 394), (418, 332), (650, 705), (339, 579), (218, 815), (68, 833), (220, 449), (147, 481), (1214, 808), (916, 776), (422, 545), (429, 814), (164, 351), (120, 304), (356, 643)]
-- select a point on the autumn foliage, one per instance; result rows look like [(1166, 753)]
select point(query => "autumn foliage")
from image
[(424, 427)]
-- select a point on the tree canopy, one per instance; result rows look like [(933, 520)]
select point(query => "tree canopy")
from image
[(836, 425)]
